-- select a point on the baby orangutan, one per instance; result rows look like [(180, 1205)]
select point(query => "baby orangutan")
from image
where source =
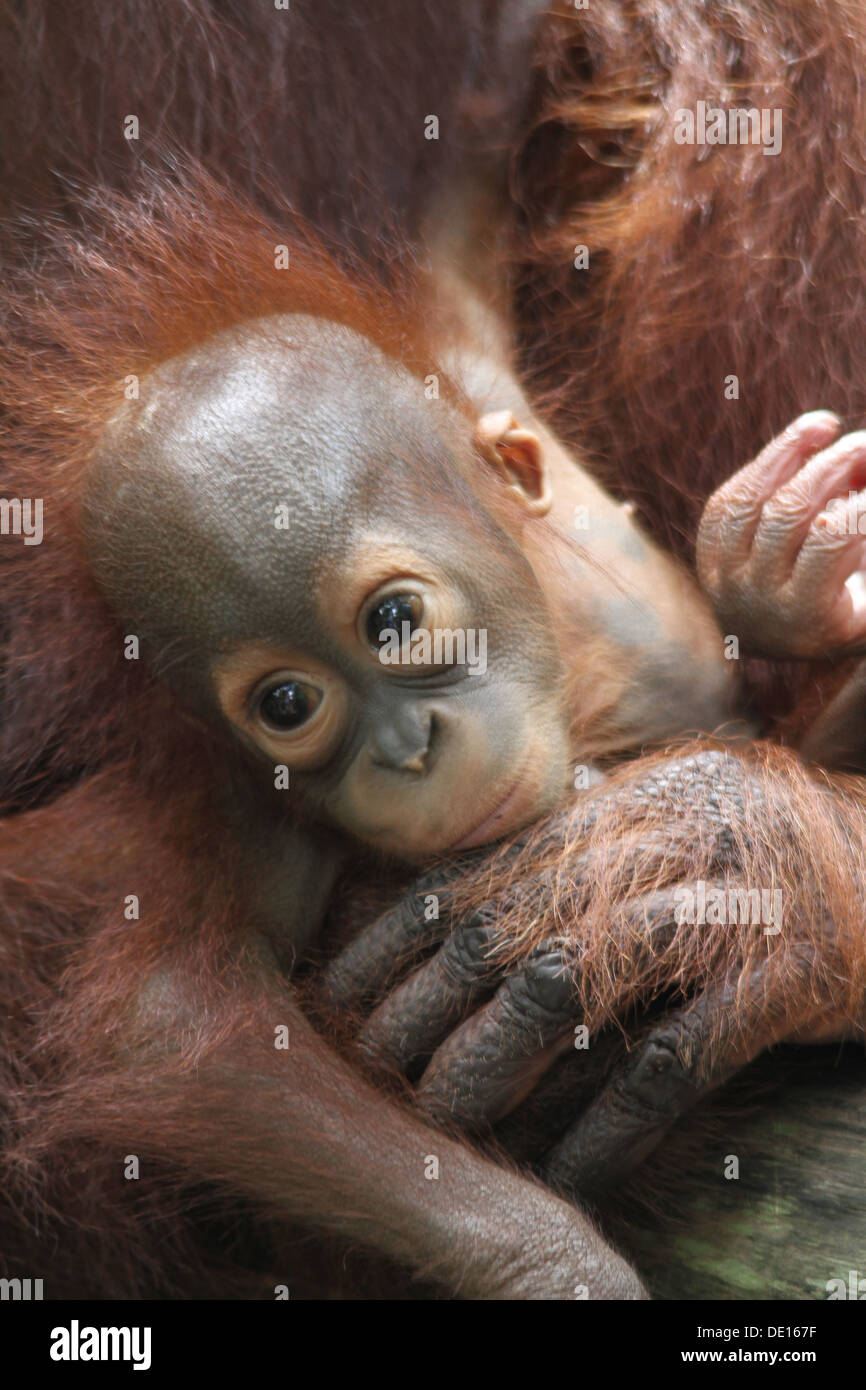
[(415, 522), (278, 492), (278, 496), (287, 584)]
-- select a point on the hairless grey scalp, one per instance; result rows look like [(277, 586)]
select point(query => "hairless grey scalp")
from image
[(292, 411)]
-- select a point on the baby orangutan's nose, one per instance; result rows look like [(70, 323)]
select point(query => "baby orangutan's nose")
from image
[(402, 742)]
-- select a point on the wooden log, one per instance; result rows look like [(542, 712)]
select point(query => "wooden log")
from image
[(793, 1127)]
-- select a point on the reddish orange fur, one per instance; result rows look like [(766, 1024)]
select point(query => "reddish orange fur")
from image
[(703, 261), (601, 878), (737, 264)]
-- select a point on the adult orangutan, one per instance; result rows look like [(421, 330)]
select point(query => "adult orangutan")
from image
[(93, 1097)]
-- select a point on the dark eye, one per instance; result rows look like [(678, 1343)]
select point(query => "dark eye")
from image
[(289, 704), (392, 612)]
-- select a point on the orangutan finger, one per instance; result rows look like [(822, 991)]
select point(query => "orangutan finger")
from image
[(492, 1062), (489, 1064), (690, 1053), (530, 1130), (413, 1019), (733, 513), (362, 970)]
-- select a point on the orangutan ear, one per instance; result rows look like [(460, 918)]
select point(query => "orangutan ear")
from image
[(517, 456)]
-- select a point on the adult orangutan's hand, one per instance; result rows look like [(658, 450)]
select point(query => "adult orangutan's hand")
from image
[(726, 883)]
